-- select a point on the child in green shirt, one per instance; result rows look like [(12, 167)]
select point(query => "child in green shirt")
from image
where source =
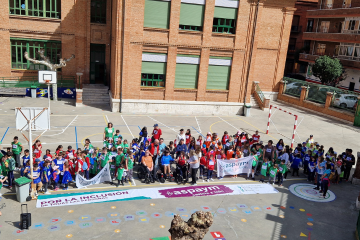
[(120, 173), (104, 157), (253, 167), (264, 169), (273, 171), (281, 172), (129, 166)]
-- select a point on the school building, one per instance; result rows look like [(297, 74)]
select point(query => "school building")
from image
[(195, 56)]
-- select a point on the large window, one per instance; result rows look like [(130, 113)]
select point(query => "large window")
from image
[(36, 8), (157, 14), (153, 74), (224, 20), (98, 11), (191, 17), (320, 49), (20, 46), (324, 27), (218, 73)]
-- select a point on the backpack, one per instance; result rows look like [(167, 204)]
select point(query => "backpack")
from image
[(11, 164), (84, 166)]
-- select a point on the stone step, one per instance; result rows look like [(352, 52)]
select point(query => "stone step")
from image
[(97, 95)]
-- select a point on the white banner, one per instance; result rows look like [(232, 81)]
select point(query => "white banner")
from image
[(102, 176), (234, 167), (151, 193)]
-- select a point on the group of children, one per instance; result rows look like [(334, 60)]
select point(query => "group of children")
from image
[(61, 167)]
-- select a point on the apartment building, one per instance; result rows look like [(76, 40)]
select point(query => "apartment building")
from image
[(155, 55), (293, 67), (335, 33)]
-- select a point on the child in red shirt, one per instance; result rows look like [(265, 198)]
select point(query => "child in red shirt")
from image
[(187, 137), (202, 166), (210, 164)]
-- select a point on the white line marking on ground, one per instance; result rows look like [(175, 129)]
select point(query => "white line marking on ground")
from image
[(198, 124), (63, 129), (127, 126), (231, 125), (162, 124), (107, 119)]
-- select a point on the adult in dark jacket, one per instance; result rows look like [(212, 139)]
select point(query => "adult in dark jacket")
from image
[(181, 147)]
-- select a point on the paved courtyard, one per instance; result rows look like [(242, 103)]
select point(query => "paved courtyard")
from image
[(299, 217)]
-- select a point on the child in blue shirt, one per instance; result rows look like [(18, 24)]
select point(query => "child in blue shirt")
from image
[(306, 160), (296, 163), (165, 162), (312, 165)]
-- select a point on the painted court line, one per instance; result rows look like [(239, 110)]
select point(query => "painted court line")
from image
[(63, 129), (76, 139), (127, 126), (162, 124), (198, 132), (198, 125), (231, 125), (4, 135)]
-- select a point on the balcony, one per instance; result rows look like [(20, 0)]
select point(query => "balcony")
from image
[(346, 37), (296, 29), (334, 11), (346, 61)]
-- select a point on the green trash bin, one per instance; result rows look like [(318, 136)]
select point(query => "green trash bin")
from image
[(247, 110), (22, 188)]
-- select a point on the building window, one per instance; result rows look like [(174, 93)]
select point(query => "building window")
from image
[(218, 73), (302, 68), (320, 50), (224, 20), (157, 14), (307, 44), (98, 11), (221, 25), (292, 44), (310, 25), (36, 8), (152, 80), (20, 46), (324, 27), (191, 17)]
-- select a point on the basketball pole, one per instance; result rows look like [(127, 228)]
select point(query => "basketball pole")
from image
[(30, 150)]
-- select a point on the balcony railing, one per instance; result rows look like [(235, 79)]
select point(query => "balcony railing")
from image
[(351, 31), (324, 29), (335, 6), (347, 61)]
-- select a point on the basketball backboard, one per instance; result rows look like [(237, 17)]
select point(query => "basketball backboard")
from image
[(40, 118), (47, 77)]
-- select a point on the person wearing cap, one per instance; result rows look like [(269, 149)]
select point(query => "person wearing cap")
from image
[(316, 150), (256, 136), (309, 141), (180, 136), (156, 134), (109, 131), (181, 147), (70, 153)]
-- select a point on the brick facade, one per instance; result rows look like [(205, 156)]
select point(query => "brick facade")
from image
[(126, 38)]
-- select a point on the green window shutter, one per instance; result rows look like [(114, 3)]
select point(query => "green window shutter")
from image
[(157, 14), (192, 14), (186, 75), (227, 13), (218, 77), (153, 67)]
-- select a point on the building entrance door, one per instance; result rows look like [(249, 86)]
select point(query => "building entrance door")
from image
[(97, 64)]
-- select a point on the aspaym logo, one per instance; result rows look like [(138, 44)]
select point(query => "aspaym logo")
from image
[(68, 91)]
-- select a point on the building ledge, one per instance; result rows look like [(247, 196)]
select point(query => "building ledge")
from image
[(185, 90), (156, 29), (217, 91), (159, 89), (347, 63), (181, 102), (190, 32), (333, 13), (332, 37), (228, 35), (56, 20)]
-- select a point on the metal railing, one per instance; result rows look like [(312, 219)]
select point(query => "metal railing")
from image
[(341, 99), (259, 93), (29, 81)]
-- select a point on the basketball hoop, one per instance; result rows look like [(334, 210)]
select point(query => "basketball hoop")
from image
[(47, 82)]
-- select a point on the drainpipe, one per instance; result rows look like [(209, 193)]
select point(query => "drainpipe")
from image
[(109, 79), (251, 52), (122, 52)]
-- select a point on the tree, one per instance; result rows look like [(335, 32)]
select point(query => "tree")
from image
[(329, 70)]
